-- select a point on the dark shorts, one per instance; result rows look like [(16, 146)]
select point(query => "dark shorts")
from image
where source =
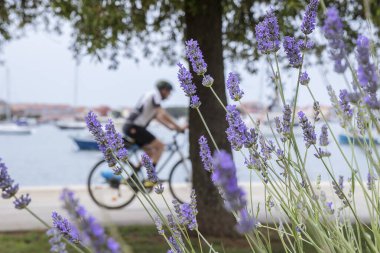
[(139, 134)]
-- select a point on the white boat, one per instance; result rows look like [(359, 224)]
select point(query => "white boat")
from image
[(8, 127), (70, 124), (14, 129)]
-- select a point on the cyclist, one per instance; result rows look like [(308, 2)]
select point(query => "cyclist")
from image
[(147, 109)]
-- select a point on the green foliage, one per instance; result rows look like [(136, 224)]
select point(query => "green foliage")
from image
[(110, 29)]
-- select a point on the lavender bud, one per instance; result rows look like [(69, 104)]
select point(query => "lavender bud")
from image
[(195, 56), (233, 87), (268, 34), (309, 19), (207, 81)]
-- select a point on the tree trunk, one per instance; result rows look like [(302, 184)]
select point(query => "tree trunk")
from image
[(204, 24)]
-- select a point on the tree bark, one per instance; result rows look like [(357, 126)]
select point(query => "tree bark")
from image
[(203, 20)]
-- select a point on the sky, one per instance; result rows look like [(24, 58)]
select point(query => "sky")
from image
[(42, 70)]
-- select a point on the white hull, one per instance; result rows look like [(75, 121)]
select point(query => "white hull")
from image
[(13, 129)]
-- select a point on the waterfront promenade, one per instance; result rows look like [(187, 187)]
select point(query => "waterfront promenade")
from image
[(46, 199)]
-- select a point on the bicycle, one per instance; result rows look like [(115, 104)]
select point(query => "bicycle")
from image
[(113, 192)]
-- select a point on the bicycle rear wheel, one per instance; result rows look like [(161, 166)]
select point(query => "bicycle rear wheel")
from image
[(108, 190), (181, 180)]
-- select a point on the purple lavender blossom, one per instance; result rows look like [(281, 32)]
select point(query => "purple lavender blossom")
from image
[(277, 122), (150, 169), (96, 130), (322, 153), (324, 138), (195, 56), (22, 202), (309, 19), (333, 31), (246, 223), (64, 227), (159, 189), (224, 177), (305, 45), (158, 222), (317, 111), (115, 142), (344, 103), (55, 241), (304, 78), (10, 191), (195, 102), (90, 230), (5, 180), (370, 181), (292, 51), (286, 122), (186, 81), (268, 34), (188, 212), (175, 240), (367, 74), (207, 81), (205, 153), (237, 132), (233, 87), (267, 147), (309, 135)]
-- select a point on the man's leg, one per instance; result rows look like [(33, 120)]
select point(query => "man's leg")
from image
[(154, 150)]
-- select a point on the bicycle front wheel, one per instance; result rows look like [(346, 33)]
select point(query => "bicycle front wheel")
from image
[(181, 180), (108, 190)]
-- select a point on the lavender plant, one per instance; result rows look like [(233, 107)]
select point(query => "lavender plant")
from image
[(296, 208)]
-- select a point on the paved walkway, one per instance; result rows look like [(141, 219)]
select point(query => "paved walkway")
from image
[(46, 199)]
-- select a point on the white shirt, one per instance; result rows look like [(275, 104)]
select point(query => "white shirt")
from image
[(146, 109)]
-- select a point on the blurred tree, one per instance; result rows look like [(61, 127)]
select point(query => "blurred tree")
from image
[(224, 28)]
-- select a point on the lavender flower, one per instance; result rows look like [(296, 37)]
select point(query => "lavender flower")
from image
[(277, 122), (333, 31), (246, 223), (205, 153), (233, 87), (268, 34), (195, 102), (158, 223), (344, 104), (292, 51), (207, 81), (186, 81), (55, 241), (96, 130), (304, 78), (224, 176), (286, 121), (115, 142), (322, 153), (367, 74), (309, 19), (338, 187), (91, 231), (5, 180), (195, 56), (64, 227), (150, 169), (237, 132), (370, 181), (188, 213), (175, 240), (159, 189), (308, 130), (22, 202), (317, 110), (10, 191), (324, 138)]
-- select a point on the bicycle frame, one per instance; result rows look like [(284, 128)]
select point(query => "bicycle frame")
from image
[(173, 148)]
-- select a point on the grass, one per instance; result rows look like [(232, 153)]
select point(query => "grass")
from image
[(142, 239)]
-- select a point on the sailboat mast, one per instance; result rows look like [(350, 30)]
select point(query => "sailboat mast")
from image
[(8, 112)]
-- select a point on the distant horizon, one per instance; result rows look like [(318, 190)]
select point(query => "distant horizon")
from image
[(42, 70)]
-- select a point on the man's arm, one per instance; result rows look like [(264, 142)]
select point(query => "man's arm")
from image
[(164, 118)]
